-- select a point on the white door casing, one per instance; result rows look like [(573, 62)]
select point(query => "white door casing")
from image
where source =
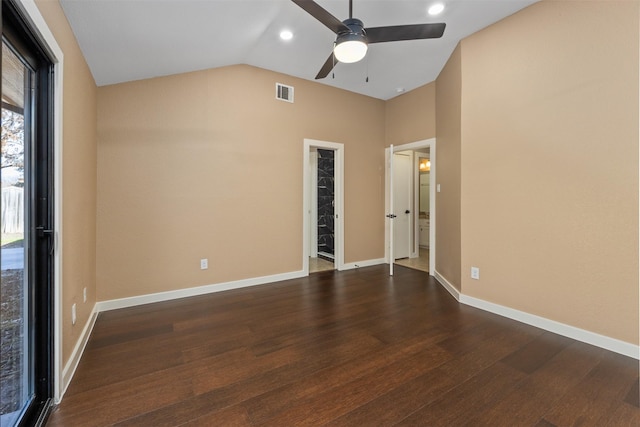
[(427, 143), (309, 145), (48, 42), (313, 202)]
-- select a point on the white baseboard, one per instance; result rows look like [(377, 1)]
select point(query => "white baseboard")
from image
[(72, 364), (445, 284), (365, 263), (592, 338), (198, 290), (218, 287), (563, 329)]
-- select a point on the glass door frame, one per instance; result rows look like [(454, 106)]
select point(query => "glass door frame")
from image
[(39, 206), (33, 19)]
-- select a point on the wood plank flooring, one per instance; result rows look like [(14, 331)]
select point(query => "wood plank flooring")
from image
[(354, 348)]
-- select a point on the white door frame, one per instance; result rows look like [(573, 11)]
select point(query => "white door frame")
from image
[(45, 37), (313, 202), (426, 143), (416, 202), (338, 201)]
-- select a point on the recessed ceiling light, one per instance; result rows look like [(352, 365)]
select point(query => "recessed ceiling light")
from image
[(286, 35), (436, 9), (400, 90)]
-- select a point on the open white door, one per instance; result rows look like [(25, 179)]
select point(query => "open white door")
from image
[(402, 204), (390, 215)]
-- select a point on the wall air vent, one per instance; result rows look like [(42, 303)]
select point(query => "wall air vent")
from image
[(284, 92)]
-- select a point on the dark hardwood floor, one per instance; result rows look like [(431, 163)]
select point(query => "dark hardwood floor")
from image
[(354, 348)]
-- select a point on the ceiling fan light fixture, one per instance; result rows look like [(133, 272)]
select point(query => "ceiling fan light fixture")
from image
[(350, 50), (351, 46)]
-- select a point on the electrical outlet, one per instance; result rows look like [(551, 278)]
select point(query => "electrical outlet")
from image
[(475, 273), (438, 188), (84, 295), (73, 314), (204, 264)]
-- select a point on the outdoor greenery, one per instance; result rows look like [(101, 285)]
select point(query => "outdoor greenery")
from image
[(12, 240), (12, 139)]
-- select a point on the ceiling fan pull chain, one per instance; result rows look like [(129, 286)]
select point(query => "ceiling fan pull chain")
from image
[(367, 79), (333, 73)]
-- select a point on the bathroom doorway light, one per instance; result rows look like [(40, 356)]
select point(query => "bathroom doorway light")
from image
[(425, 165)]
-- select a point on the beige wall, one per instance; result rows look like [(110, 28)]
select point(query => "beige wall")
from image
[(550, 164), (79, 178), (537, 159), (411, 116), (209, 165), (448, 146)]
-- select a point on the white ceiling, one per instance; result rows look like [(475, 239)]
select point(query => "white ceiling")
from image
[(124, 40)]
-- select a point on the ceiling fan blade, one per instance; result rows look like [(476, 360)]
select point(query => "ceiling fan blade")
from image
[(315, 10), (405, 32), (327, 67)]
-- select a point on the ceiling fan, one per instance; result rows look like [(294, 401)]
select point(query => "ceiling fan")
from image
[(353, 39)]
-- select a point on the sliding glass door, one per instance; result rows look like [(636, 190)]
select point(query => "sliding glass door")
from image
[(26, 235)]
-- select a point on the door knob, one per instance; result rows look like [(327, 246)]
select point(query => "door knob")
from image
[(407, 211)]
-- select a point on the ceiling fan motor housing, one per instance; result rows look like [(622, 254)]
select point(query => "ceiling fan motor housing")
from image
[(356, 31)]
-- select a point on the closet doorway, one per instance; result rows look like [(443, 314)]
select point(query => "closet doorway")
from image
[(323, 216), (322, 243)]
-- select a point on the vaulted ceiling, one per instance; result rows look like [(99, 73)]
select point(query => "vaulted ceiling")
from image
[(128, 40)]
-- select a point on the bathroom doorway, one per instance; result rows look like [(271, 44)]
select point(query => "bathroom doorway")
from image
[(419, 211), (420, 177)]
